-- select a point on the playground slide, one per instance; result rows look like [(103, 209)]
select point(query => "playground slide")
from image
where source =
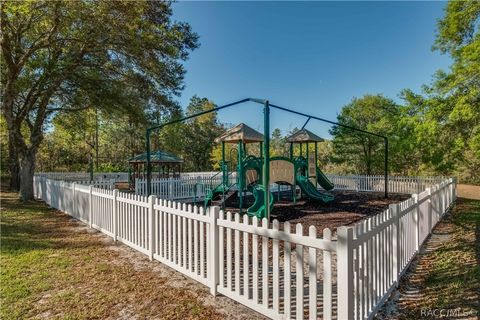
[(323, 180), (311, 191), (258, 207)]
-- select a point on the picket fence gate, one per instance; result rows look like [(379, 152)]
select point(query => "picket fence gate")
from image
[(278, 272)]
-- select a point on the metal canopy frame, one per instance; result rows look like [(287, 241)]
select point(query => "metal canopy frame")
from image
[(266, 146)]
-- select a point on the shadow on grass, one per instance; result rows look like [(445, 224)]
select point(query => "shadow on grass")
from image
[(32, 225)]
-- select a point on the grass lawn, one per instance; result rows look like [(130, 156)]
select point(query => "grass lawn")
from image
[(53, 267), (446, 274)]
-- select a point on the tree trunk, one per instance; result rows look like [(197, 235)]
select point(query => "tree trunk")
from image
[(13, 166), (27, 169)]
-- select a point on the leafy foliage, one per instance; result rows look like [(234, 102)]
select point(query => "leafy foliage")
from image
[(57, 56)]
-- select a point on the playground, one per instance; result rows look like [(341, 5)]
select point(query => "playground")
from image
[(291, 187), (264, 226)]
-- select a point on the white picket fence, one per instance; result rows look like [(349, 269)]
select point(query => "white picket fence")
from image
[(270, 268), (188, 185), (103, 184), (396, 184), (85, 176), (180, 188)]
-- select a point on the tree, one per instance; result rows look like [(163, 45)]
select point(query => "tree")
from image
[(455, 95), (278, 145), (199, 134), (374, 113), (444, 121), (60, 56)]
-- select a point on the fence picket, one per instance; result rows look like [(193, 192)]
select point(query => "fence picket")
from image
[(246, 273), (276, 271), (327, 278), (265, 265), (287, 270), (299, 273), (255, 261), (312, 276)]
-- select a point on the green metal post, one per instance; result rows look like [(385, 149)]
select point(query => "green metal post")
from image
[(240, 173), (386, 167), (149, 164), (266, 163), (301, 150), (223, 162), (90, 168), (316, 161), (306, 156), (291, 150)]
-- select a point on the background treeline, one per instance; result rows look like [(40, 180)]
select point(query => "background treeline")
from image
[(81, 87)]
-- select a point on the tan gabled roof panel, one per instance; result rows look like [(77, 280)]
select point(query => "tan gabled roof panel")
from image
[(304, 135), (241, 132)]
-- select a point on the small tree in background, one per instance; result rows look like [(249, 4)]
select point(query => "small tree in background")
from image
[(373, 113), (199, 134)]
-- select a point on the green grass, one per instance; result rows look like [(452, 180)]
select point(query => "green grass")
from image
[(51, 269), (456, 268)]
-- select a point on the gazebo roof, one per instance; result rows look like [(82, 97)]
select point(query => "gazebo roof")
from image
[(157, 157), (304, 135), (241, 132)]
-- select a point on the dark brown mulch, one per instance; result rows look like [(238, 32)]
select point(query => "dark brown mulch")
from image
[(348, 207)]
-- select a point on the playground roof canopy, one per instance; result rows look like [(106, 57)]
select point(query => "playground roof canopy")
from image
[(156, 157), (241, 132), (304, 135)]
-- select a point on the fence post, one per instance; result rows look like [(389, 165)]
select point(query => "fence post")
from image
[(73, 199), (429, 208), (454, 188), (345, 272), (90, 205), (115, 194), (214, 249), (151, 224), (394, 209), (416, 212)]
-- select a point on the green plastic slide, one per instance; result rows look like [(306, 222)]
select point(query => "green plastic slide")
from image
[(258, 207), (311, 191), (323, 180)]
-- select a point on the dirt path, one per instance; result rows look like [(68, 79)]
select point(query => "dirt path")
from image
[(468, 191), (55, 267)]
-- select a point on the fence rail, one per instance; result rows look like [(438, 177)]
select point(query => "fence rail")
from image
[(180, 188), (85, 176), (267, 266)]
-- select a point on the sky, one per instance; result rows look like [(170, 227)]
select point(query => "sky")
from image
[(313, 57)]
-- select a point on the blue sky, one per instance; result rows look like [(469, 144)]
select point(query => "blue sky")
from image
[(311, 56)]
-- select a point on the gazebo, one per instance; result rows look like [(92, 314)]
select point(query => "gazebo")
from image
[(164, 165)]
